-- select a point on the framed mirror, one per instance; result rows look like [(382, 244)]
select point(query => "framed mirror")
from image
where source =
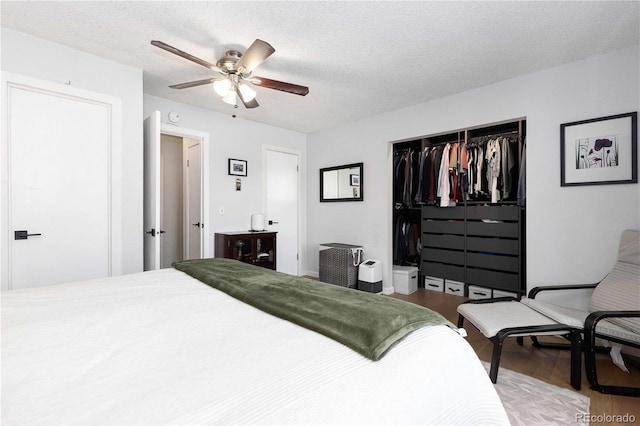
[(342, 183)]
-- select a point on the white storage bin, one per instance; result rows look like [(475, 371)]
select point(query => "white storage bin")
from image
[(454, 287), (405, 279), (477, 292), (502, 293), (434, 283)]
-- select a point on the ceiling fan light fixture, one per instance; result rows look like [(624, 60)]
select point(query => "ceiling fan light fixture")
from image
[(235, 71), (230, 97), (248, 94), (222, 87)]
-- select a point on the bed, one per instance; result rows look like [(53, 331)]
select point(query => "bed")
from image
[(162, 347)]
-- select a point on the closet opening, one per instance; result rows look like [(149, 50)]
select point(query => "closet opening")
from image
[(459, 209)]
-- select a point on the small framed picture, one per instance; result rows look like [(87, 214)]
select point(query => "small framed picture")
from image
[(355, 180), (237, 167), (599, 151)]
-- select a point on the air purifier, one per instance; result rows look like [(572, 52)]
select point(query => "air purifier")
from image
[(257, 222)]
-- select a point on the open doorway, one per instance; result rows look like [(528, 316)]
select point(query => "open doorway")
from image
[(180, 199), (182, 169)]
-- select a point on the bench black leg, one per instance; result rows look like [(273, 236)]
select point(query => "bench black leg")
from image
[(495, 358)]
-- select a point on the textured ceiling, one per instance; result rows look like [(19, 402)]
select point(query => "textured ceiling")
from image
[(357, 58)]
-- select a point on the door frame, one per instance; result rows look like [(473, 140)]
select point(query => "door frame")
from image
[(298, 154), (203, 137), (114, 104)]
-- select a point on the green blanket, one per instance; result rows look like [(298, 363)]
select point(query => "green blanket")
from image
[(367, 323)]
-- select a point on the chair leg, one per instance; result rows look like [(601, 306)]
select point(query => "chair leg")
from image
[(495, 358), (460, 321), (576, 359), (592, 377), (590, 350)]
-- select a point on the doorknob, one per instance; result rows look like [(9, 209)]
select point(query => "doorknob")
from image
[(23, 235), (198, 224), (154, 233), (273, 222)]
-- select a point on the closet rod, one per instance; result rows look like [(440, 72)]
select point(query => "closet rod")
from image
[(401, 150), (441, 143), (498, 135)]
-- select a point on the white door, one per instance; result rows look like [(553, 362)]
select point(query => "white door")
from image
[(152, 192), (59, 186), (193, 191), (282, 206)]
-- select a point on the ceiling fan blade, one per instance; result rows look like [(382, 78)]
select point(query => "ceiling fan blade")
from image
[(254, 56), (193, 83), (250, 104), (185, 55), (280, 85)]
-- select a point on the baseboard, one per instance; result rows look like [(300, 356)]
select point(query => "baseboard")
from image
[(313, 274)]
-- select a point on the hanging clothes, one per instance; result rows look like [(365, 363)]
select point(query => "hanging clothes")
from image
[(522, 180), (494, 161), (454, 178), (407, 247), (408, 179), (415, 180), (480, 184), (508, 163), (399, 164), (423, 177), (492, 171), (435, 173), (443, 177)]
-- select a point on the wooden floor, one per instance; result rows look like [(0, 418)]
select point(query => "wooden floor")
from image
[(548, 365)]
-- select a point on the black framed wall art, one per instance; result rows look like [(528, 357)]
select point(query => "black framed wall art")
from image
[(237, 167), (599, 151)]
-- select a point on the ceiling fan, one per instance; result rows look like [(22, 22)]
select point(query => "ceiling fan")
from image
[(235, 71)]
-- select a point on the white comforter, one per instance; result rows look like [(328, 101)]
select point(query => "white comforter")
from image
[(162, 348)]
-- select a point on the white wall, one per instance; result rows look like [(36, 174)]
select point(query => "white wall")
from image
[(240, 139), (572, 231), (41, 59)]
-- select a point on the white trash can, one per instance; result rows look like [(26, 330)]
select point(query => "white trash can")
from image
[(370, 276)]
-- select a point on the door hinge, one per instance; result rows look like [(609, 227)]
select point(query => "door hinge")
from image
[(187, 163), (297, 256)]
